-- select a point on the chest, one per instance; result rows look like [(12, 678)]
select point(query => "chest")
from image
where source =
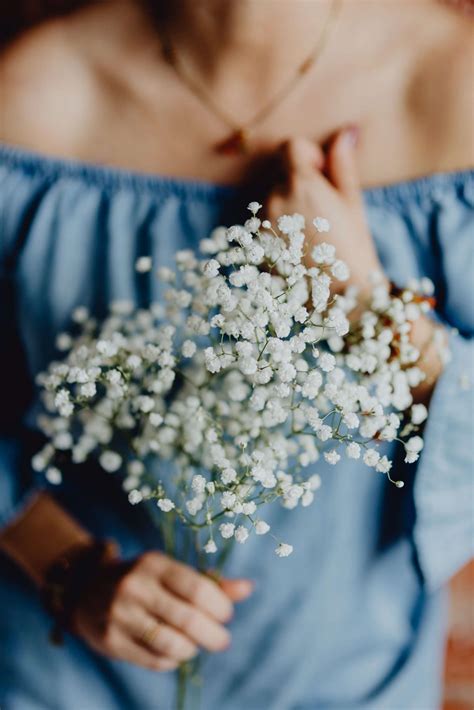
[(176, 133)]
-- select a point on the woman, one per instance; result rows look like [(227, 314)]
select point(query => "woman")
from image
[(98, 105)]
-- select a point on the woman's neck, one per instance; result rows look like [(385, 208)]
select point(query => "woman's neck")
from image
[(222, 38)]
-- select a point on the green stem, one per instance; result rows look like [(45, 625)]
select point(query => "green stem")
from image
[(182, 686)]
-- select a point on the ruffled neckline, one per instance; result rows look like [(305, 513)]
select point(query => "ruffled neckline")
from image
[(52, 168)]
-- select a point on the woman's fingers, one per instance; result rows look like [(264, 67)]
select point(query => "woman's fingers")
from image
[(341, 165), (237, 589), (195, 624), (302, 156), (127, 649), (197, 589), (156, 636)]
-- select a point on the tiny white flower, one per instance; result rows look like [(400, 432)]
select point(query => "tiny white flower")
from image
[(307, 498), (63, 440), (254, 207), (383, 465), (284, 550), (64, 341), (249, 508), (353, 450), (324, 432), (53, 475), (165, 504), (241, 534), (198, 484), (418, 413), (332, 457), (327, 362), (135, 497), (155, 419), (228, 500), (135, 468), (210, 547), (371, 457), (107, 348), (228, 476), (146, 404), (110, 461), (80, 314), (261, 527), (189, 348), (351, 420), (315, 482), (414, 444), (340, 270), (291, 223), (227, 530), (211, 268), (63, 404), (194, 505), (88, 390), (143, 264), (321, 224)]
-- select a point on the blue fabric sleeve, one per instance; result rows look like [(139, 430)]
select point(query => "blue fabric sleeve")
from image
[(16, 445), (444, 484)]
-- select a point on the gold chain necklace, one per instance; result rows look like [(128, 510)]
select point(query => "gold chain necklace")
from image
[(238, 141)]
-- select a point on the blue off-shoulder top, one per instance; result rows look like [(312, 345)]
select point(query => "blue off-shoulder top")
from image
[(355, 617)]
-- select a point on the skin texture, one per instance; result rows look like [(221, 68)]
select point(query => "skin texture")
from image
[(100, 91)]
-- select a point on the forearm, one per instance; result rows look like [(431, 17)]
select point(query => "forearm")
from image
[(40, 535)]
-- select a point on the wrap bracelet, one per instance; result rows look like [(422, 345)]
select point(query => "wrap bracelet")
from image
[(67, 579)]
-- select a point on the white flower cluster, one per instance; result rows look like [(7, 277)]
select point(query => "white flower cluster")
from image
[(246, 375)]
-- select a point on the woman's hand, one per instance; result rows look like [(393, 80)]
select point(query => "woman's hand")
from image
[(157, 612), (334, 194)]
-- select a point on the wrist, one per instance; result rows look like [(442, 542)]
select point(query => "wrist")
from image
[(40, 535), (68, 578), (431, 341)]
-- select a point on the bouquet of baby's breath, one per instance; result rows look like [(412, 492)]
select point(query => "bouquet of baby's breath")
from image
[(215, 402)]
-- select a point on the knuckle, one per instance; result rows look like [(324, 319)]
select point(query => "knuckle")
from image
[(149, 559), (126, 586), (161, 607), (186, 618), (167, 645), (199, 590)]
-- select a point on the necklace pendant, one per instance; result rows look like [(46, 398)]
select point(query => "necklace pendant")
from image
[(235, 144)]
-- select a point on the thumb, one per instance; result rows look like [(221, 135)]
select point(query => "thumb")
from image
[(341, 165), (301, 157), (237, 589)]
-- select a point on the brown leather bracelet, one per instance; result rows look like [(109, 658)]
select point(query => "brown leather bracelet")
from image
[(68, 577)]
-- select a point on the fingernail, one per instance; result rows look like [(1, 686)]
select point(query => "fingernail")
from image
[(351, 135)]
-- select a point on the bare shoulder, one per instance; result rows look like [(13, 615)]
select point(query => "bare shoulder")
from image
[(442, 90), (47, 91)]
